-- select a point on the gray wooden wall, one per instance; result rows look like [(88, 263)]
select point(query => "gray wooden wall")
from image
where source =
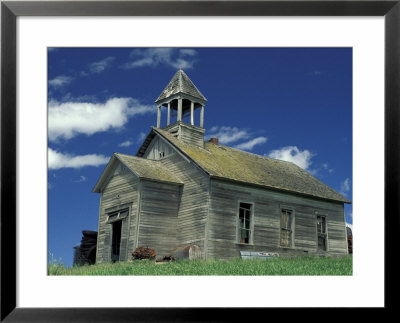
[(186, 133), (193, 209), (156, 148), (159, 203), (222, 227), (192, 135), (120, 192)]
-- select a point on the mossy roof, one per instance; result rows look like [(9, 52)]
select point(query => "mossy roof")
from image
[(148, 169), (239, 166), (152, 170)]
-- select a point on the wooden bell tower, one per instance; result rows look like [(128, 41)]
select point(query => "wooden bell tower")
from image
[(181, 98)]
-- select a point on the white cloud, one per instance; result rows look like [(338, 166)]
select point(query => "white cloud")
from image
[(81, 179), (67, 119), (125, 144), (350, 216), (183, 58), (294, 155), (141, 137), (100, 66), (146, 61), (249, 145), (227, 135), (345, 186), (68, 97), (327, 168), (57, 160), (60, 81), (187, 52)]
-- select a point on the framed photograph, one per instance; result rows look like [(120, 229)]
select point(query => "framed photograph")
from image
[(89, 55)]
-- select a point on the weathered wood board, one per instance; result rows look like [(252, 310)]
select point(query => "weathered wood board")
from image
[(223, 221)]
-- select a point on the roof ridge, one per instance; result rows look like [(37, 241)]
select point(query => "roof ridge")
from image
[(140, 158), (180, 79)]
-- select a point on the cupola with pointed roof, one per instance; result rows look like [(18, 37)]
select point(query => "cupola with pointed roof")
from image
[(181, 98)]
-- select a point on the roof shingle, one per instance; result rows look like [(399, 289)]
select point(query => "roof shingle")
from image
[(180, 83), (148, 169), (236, 165)]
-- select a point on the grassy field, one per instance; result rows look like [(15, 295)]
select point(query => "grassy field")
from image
[(300, 266)]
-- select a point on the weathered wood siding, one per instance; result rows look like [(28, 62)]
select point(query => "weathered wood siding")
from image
[(121, 192), (192, 135), (189, 134), (193, 208), (159, 203), (267, 204), (158, 149)]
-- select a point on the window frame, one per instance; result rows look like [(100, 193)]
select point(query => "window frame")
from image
[(119, 216), (317, 234), (251, 224), (290, 209)]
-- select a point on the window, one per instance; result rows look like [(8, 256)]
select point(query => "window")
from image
[(286, 228), (321, 232), (118, 215), (244, 226)]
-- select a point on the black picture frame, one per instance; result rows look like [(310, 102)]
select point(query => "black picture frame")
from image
[(10, 10)]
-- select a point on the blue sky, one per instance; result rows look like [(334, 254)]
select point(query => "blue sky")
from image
[(288, 103)]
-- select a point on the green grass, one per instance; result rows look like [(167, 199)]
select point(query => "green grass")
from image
[(298, 266)]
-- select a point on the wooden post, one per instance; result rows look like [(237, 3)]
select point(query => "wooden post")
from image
[(192, 113), (179, 110), (169, 114), (159, 116), (202, 116)]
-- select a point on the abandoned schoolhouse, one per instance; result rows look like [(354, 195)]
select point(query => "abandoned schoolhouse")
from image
[(179, 190)]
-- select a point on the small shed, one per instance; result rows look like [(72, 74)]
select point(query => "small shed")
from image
[(85, 253)]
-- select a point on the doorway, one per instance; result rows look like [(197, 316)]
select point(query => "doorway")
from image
[(116, 240)]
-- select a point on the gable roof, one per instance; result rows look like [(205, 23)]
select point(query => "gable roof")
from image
[(180, 83), (232, 164), (152, 170)]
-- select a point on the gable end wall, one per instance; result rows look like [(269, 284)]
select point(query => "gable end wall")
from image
[(120, 192)]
